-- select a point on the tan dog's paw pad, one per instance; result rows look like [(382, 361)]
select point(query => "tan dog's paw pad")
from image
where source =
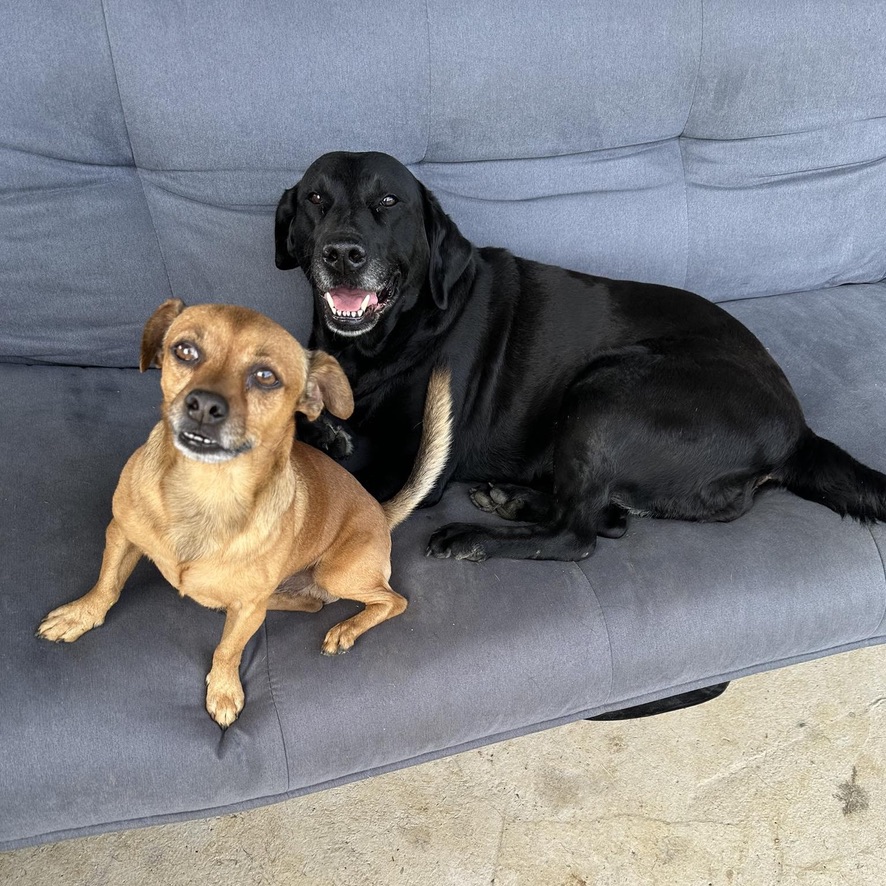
[(224, 699), (69, 622), (339, 639)]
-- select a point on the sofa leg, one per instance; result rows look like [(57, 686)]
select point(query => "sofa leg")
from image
[(663, 705)]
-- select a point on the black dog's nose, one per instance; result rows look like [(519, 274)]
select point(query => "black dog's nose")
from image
[(206, 408), (344, 255)]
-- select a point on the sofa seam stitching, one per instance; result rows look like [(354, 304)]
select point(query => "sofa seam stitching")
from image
[(274, 704), (430, 90), (738, 299), (135, 165), (686, 208), (681, 136), (697, 69), (596, 596), (883, 566)]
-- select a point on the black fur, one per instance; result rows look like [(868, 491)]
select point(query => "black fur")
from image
[(577, 399)]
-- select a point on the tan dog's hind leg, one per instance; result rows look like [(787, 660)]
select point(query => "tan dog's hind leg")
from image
[(74, 619), (224, 692), (298, 593), (381, 603)]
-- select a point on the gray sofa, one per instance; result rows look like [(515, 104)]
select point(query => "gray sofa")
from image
[(733, 147)]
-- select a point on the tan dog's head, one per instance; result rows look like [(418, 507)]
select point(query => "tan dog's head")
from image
[(232, 379)]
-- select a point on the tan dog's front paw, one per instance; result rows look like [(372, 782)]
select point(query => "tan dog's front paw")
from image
[(339, 639), (69, 622), (224, 699)]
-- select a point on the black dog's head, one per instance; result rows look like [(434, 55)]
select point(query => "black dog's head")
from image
[(371, 239)]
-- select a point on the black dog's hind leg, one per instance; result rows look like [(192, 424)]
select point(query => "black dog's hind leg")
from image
[(570, 533), (566, 522)]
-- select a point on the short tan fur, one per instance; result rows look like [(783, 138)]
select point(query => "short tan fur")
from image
[(236, 513)]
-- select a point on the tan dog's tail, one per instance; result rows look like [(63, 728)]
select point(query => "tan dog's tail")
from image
[(433, 451)]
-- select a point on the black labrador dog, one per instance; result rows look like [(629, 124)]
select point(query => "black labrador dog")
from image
[(576, 399)]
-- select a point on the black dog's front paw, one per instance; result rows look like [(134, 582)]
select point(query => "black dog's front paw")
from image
[(460, 540), (327, 436), (482, 498), (338, 443), (505, 501)]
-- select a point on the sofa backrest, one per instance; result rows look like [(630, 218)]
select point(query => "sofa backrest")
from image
[(734, 147)]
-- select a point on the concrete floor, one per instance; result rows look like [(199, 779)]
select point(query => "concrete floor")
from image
[(779, 781)]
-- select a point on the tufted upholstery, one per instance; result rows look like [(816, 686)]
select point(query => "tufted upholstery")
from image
[(735, 147), (732, 148)]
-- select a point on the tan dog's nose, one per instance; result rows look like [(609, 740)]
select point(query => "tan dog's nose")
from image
[(206, 408)]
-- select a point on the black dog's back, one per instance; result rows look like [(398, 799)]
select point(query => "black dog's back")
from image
[(558, 330)]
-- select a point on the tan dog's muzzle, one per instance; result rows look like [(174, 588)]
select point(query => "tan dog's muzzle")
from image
[(205, 429)]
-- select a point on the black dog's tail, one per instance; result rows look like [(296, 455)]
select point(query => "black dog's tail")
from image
[(820, 471)]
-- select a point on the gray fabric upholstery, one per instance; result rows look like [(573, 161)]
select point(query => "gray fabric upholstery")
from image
[(733, 148), (717, 146)]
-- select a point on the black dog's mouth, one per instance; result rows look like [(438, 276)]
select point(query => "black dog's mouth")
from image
[(201, 447), (351, 311)]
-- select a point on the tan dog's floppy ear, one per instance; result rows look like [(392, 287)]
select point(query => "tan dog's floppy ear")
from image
[(328, 386), (155, 330)]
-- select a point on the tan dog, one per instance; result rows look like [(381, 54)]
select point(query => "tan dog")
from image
[(236, 513)]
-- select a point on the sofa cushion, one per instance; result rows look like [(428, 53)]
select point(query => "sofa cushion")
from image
[(112, 727), (111, 732)]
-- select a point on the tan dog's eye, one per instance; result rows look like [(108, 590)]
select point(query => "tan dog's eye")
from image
[(265, 378), (186, 352)]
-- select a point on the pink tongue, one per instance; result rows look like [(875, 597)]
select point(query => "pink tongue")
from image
[(346, 299)]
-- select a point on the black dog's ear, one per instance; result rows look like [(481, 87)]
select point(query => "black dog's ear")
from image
[(283, 258), (451, 254), (155, 331)]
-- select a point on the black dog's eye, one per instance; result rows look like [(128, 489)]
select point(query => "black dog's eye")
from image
[(186, 352), (265, 378), (389, 200), (315, 198)]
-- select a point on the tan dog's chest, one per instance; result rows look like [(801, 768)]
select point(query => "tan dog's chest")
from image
[(210, 547)]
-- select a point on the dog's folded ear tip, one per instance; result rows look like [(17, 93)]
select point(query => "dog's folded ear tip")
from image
[(155, 329), (170, 305)]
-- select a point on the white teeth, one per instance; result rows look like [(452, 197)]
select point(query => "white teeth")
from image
[(198, 438), (351, 315), (338, 313)]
